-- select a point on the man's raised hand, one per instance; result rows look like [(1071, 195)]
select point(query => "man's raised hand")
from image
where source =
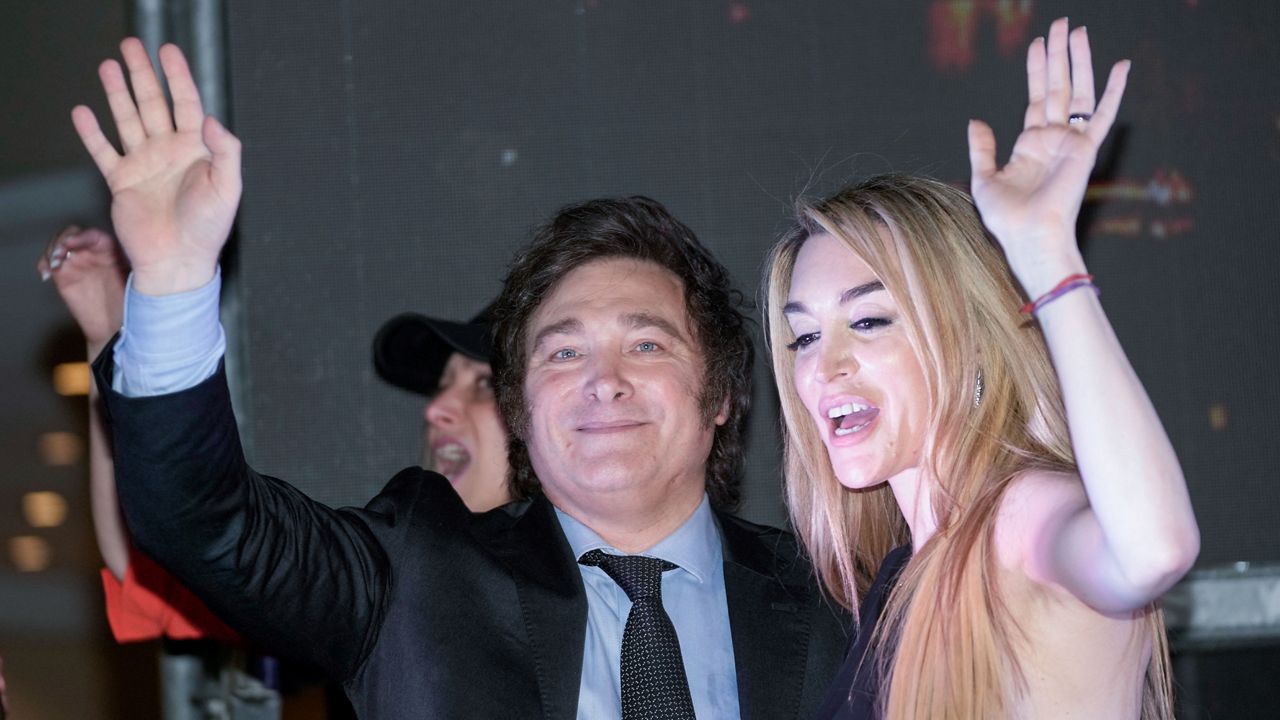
[(176, 186)]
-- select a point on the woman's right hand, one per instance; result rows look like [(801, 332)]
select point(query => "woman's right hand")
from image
[(89, 269)]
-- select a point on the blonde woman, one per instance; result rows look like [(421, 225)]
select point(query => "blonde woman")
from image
[(1011, 451)]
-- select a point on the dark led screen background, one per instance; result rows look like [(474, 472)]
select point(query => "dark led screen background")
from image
[(397, 152)]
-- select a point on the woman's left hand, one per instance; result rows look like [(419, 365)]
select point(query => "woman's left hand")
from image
[(1031, 204)]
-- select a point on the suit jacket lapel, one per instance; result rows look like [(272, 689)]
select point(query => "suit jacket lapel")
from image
[(769, 622), (552, 601)]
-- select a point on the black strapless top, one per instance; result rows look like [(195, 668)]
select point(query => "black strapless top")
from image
[(852, 694)]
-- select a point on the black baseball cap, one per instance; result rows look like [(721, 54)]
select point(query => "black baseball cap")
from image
[(411, 350)]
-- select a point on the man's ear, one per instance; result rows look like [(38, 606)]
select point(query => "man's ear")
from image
[(722, 417)]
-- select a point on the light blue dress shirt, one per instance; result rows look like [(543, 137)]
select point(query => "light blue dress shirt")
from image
[(693, 595), (168, 343), (175, 342)]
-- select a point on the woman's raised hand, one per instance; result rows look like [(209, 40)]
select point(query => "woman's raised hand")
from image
[(176, 186), (1031, 204), (88, 268)]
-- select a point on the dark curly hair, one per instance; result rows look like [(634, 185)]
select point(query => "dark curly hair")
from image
[(641, 229)]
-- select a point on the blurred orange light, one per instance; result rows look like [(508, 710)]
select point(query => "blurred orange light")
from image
[(1218, 416), (29, 553), (71, 378), (44, 509), (59, 449)]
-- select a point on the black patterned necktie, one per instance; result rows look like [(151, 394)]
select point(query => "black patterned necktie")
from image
[(653, 680)]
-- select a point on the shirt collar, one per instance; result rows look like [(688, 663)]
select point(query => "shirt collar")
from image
[(694, 546)]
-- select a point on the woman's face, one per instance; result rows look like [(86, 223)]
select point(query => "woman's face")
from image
[(855, 370), (466, 440)]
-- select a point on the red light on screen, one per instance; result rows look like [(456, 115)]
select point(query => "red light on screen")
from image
[(953, 26)]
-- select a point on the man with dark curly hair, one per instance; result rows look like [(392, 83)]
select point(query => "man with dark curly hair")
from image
[(613, 588)]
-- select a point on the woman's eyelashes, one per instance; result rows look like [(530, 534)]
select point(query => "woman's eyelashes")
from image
[(803, 341), (862, 325), (870, 323)]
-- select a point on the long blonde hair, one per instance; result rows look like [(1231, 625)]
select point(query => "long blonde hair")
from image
[(954, 655)]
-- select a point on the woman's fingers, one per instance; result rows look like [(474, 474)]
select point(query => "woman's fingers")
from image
[(1035, 85), (982, 151), (1058, 74), (57, 251), (1060, 82), (1082, 93), (1105, 114)]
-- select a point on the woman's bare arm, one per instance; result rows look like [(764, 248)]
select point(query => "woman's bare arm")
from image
[(1132, 533), (88, 269)]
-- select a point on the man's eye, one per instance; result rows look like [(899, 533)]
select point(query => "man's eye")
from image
[(803, 341), (564, 354), (485, 382), (647, 347)]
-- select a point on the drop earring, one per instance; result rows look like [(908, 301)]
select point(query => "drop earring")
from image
[(977, 390)]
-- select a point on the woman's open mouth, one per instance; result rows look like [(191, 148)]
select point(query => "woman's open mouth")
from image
[(850, 418)]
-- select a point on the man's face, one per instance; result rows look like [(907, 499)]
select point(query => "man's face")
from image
[(465, 438), (612, 387)]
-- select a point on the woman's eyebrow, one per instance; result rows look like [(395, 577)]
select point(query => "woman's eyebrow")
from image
[(858, 291), (847, 296)]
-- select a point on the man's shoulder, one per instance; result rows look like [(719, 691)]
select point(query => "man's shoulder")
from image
[(420, 501), (746, 528), (764, 549)]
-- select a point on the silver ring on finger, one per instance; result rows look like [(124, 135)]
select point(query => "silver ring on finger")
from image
[(1077, 118)]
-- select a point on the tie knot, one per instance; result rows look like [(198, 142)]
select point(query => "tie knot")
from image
[(637, 575)]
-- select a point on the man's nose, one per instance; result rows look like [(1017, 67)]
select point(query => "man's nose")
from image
[(608, 379)]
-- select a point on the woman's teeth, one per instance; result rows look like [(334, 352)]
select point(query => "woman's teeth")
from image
[(845, 409), (851, 417), (450, 459)]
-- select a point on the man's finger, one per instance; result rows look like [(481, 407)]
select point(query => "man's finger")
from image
[(123, 110), (225, 149), (100, 149), (152, 107), (188, 111)]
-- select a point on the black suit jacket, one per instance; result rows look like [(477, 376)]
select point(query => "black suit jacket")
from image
[(419, 607)]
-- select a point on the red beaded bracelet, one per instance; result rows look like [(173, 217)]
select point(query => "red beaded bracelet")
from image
[(1069, 283)]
